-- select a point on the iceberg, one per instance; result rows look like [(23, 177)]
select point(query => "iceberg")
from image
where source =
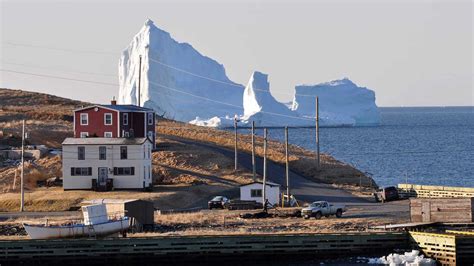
[(176, 80), (181, 84), (260, 106), (341, 102)]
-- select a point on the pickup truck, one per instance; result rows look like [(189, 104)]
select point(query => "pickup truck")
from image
[(319, 209)]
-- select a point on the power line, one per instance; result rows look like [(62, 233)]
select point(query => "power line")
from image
[(161, 63), (58, 77), (59, 49), (196, 75), (157, 84), (223, 103), (57, 69), (224, 82)]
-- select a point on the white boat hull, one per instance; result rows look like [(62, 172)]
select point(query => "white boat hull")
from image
[(76, 230)]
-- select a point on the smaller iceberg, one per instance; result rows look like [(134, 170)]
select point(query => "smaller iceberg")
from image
[(341, 103), (260, 106)]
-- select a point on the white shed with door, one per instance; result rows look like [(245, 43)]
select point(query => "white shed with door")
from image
[(253, 191)]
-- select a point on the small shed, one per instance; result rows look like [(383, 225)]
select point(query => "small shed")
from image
[(141, 210), (254, 190), (453, 210)]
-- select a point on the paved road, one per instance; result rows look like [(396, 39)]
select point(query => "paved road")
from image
[(303, 189), (309, 191)]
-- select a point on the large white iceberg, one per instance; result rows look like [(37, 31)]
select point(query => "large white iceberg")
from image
[(176, 80), (181, 84), (341, 102)]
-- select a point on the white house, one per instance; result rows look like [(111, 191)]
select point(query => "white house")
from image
[(103, 163), (253, 191)]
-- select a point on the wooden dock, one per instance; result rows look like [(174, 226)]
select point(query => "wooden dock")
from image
[(453, 247), (200, 248), (424, 191)]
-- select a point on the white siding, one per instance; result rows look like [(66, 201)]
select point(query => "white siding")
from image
[(272, 193), (135, 159)]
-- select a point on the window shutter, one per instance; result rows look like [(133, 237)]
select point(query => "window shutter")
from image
[(132, 170), (115, 170), (89, 171), (72, 171)]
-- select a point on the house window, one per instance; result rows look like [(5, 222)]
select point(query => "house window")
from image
[(81, 171), (108, 119), (123, 152), (124, 170), (125, 119), (84, 119), (81, 153), (102, 153), (151, 118), (107, 134), (84, 134), (255, 193)]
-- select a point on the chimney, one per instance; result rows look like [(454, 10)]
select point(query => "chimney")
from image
[(113, 102)]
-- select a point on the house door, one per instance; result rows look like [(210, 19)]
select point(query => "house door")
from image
[(426, 212), (102, 179)]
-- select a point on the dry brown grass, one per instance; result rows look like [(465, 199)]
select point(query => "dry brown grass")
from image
[(39, 170), (48, 118), (229, 223), (301, 160), (185, 173)]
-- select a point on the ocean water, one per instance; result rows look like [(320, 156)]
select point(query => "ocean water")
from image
[(423, 145)]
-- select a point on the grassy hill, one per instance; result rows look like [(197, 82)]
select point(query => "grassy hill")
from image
[(48, 118), (184, 174)]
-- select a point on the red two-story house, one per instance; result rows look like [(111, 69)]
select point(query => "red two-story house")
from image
[(115, 121)]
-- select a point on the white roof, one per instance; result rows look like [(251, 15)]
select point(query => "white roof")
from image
[(105, 201), (104, 141), (271, 184)]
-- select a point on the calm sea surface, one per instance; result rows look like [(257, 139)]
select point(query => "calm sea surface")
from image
[(426, 145)]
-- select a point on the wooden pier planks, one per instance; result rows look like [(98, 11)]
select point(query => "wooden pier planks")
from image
[(423, 191), (450, 248), (181, 247)]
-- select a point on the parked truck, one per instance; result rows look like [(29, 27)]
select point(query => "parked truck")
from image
[(319, 209)]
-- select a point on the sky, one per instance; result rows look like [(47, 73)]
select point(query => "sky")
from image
[(411, 53)]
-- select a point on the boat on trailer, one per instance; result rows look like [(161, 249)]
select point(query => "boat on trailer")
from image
[(96, 223)]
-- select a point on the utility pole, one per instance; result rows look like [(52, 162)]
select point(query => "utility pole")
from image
[(22, 180), (287, 165), (235, 144), (254, 166), (264, 194), (317, 133), (139, 78)]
